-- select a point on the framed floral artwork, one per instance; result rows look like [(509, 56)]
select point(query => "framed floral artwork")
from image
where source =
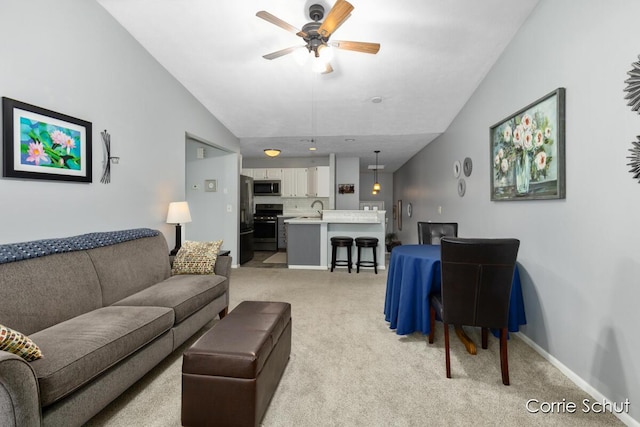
[(43, 144), (528, 151)]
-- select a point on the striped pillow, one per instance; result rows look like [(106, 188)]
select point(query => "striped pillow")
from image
[(19, 344)]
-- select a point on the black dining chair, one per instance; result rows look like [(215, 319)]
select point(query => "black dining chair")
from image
[(430, 233), (476, 289)]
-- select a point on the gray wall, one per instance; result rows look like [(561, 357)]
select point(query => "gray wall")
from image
[(71, 56), (384, 195), (348, 172), (579, 257), (213, 213)]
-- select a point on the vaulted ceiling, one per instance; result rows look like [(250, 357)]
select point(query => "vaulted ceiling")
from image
[(433, 55)]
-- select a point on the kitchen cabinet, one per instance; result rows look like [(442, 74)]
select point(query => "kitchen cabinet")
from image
[(318, 181), (294, 182), (282, 231), (267, 173)]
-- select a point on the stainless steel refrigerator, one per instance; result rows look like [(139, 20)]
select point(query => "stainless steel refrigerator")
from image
[(246, 218)]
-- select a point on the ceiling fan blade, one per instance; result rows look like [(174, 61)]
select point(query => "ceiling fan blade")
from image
[(328, 69), (279, 53), (336, 16), (363, 47), (280, 23)]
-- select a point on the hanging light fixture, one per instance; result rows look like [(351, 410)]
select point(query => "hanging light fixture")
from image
[(376, 184), (272, 152)]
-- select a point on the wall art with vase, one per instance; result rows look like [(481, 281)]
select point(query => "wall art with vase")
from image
[(527, 151)]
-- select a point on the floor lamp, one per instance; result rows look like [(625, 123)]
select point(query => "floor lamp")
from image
[(178, 214)]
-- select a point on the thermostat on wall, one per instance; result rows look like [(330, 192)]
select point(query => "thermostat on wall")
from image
[(211, 185)]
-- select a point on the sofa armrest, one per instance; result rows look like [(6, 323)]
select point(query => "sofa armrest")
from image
[(223, 266), (19, 392)]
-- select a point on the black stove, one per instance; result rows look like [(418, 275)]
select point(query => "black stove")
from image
[(265, 223), (265, 212)]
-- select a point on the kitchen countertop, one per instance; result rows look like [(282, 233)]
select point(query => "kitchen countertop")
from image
[(340, 217), (318, 220)]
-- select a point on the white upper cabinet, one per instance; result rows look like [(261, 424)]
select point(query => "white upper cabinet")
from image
[(294, 182), (267, 173), (318, 181)]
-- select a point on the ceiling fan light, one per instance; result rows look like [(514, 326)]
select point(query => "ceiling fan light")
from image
[(374, 192), (272, 152), (326, 53), (319, 66)]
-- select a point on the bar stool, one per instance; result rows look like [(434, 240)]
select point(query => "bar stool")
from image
[(339, 242), (367, 242)]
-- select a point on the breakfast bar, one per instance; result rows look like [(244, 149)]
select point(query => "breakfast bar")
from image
[(308, 237)]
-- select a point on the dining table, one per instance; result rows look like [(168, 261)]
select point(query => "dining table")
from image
[(414, 273)]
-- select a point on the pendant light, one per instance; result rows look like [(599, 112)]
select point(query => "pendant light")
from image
[(376, 184)]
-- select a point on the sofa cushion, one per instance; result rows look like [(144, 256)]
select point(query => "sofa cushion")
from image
[(20, 344), (185, 294), (81, 348), (196, 258), (129, 267), (41, 292)]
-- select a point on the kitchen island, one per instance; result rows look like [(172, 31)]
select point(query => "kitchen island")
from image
[(309, 237)]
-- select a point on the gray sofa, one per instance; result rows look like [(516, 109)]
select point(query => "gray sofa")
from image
[(103, 314)]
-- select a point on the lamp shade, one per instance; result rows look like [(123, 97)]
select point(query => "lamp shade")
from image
[(178, 213)]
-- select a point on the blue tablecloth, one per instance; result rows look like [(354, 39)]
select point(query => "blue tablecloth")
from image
[(414, 272)]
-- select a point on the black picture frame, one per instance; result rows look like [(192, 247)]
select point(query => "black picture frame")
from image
[(527, 152), (44, 144)]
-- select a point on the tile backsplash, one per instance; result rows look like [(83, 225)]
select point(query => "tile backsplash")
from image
[(298, 205)]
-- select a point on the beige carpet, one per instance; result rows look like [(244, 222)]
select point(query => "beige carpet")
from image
[(277, 258), (347, 368)]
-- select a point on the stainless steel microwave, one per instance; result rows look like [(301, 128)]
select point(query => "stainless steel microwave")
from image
[(266, 188)]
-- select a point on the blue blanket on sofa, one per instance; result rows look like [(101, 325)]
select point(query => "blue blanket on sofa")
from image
[(19, 251)]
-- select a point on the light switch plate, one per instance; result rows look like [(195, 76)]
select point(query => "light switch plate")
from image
[(211, 185)]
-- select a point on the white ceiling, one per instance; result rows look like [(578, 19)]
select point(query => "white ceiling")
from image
[(433, 55)]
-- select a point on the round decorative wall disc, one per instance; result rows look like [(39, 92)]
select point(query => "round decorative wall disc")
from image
[(467, 166), (633, 87), (635, 159), (462, 187), (456, 168)]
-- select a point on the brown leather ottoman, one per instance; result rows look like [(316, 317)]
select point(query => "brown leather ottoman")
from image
[(231, 373)]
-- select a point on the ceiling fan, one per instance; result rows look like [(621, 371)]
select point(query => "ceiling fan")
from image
[(316, 34)]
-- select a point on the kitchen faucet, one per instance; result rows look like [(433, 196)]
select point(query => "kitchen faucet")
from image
[(321, 205)]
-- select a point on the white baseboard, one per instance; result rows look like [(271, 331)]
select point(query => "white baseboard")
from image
[(579, 381)]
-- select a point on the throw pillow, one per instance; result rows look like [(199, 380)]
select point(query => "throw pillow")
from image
[(196, 258), (19, 344)]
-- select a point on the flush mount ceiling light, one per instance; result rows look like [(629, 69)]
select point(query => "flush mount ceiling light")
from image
[(272, 152)]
